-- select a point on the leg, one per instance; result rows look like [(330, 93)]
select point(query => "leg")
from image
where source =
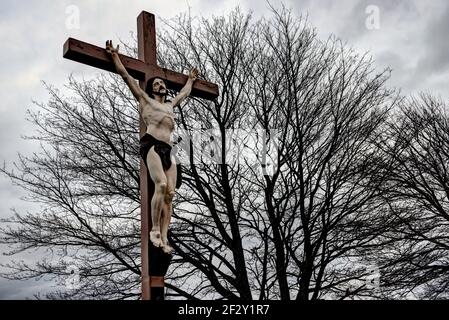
[(167, 206), (159, 178)]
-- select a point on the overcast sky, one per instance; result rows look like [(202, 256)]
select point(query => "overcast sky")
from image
[(410, 36)]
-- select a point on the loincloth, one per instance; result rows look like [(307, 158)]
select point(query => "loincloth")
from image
[(163, 150)]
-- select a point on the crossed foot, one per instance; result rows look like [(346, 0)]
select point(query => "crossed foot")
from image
[(155, 237)]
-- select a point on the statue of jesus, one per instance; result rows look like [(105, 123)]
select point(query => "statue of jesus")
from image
[(156, 145)]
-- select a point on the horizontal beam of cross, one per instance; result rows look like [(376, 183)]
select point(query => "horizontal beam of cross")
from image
[(94, 56)]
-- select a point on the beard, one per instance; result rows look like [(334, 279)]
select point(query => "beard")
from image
[(159, 93)]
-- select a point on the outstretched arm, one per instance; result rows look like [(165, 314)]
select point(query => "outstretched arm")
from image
[(121, 70), (185, 91)]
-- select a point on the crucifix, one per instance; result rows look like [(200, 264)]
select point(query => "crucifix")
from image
[(154, 260)]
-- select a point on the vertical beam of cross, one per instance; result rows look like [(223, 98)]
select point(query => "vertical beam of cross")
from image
[(146, 47)]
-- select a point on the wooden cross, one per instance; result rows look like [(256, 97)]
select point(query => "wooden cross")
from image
[(142, 69)]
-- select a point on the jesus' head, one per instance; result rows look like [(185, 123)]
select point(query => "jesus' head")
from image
[(156, 86)]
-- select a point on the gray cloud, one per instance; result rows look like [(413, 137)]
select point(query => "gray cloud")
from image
[(435, 59), (411, 38)]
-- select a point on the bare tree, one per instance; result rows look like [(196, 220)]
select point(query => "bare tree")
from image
[(85, 178), (291, 224), (302, 225), (417, 194), (321, 204)]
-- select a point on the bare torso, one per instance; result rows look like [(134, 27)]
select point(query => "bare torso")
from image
[(159, 118)]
